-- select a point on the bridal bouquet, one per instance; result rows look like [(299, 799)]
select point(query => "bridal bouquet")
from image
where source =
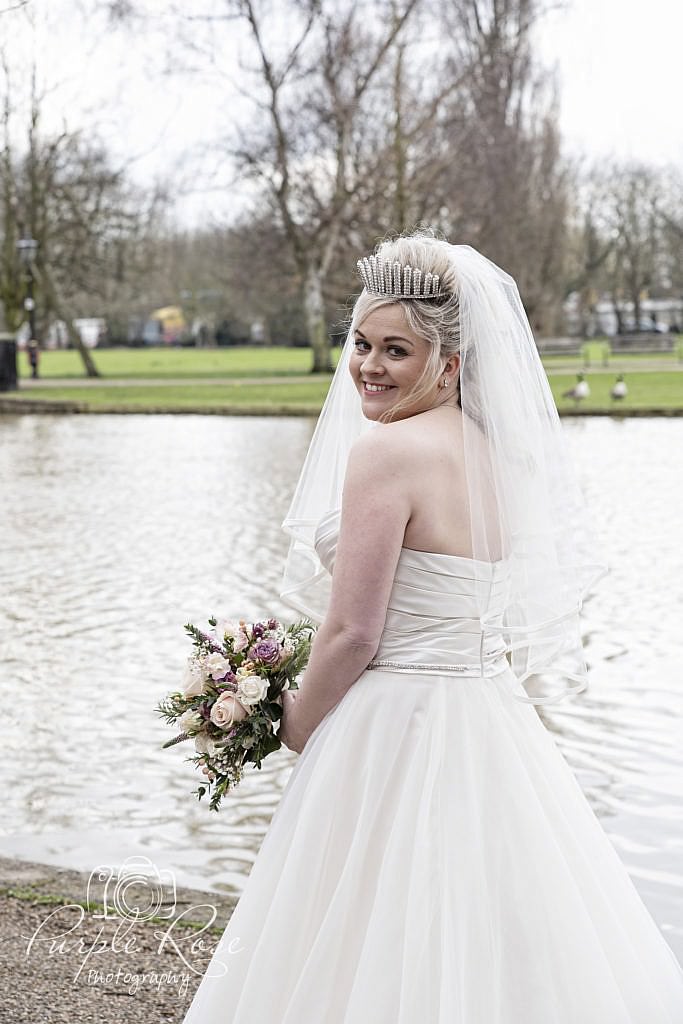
[(231, 695)]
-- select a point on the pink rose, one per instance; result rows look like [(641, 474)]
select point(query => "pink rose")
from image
[(240, 641), (227, 711)]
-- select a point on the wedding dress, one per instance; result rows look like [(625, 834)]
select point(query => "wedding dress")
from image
[(433, 859)]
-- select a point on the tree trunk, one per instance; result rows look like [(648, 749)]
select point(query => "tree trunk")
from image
[(635, 296), (74, 336), (315, 321), (616, 305), (400, 205), (77, 342)]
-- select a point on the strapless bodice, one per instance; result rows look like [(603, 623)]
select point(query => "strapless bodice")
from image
[(432, 617)]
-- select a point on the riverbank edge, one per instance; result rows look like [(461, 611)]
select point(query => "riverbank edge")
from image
[(45, 884), (13, 406)]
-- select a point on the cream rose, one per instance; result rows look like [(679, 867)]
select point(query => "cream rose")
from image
[(216, 665), (193, 680), (251, 689), (227, 711), (191, 722), (203, 744)]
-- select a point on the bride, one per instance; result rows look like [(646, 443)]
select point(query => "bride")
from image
[(433, 858)]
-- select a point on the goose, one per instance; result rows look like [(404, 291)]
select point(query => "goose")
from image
[(580, 390), (619, 389)]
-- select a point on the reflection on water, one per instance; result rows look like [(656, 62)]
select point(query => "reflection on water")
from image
[(117, 530)]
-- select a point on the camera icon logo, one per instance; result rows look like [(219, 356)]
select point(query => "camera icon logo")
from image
[(137, 890)]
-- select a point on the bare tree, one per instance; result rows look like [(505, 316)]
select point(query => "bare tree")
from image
[(634, 222), (308, 87), (11, 296), (626, 237), (503, 181), (590, 242), (63, 191)]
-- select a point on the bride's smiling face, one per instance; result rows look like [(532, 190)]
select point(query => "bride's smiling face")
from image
[(389, 354)]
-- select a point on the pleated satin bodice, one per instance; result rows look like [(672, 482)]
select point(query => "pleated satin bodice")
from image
[(432, 616)]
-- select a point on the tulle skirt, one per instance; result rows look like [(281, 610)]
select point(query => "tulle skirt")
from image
[(433, 860)]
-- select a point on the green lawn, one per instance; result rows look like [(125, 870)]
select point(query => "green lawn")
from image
[(240, 361), (646, 390)]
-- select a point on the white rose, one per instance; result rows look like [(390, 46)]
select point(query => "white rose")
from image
[(216, 665), (226, 627), (203, 744), (251, 689), (191, 722), (193, 679), (227, 711)]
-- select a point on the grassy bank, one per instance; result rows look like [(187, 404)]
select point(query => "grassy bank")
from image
[(649, 390), (276, 381), (308, 394)]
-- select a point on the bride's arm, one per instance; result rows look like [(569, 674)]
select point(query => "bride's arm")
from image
[(375, 510)]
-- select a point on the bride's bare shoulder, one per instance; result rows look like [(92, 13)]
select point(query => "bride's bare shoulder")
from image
[(415, 435), (384, 442), (412, 447)]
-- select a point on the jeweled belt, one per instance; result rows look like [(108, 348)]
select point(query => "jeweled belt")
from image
[(416, 666)]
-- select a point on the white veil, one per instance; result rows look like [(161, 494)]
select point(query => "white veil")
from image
[(526, 506)]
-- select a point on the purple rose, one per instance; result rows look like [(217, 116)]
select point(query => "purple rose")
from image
[(258, 629), (268, 652)]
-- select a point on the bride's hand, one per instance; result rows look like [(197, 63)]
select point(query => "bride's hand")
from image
[(287, 732)]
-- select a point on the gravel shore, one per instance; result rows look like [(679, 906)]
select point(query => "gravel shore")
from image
[(74, 950)]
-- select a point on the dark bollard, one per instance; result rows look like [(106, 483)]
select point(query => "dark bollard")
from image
[(8, 363)]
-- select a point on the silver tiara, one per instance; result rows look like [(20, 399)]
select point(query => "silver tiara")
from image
[(382, 277)]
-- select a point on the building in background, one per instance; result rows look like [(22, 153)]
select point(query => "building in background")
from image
[(166, 326)]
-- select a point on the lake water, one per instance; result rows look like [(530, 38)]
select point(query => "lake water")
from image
[(116, 530)]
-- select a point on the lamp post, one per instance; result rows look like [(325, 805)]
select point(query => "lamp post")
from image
[(27, 248)]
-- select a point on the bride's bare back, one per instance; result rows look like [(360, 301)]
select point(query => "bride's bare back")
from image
[(435, 478)]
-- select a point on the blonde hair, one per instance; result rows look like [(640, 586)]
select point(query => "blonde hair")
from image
[(437, 320)]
